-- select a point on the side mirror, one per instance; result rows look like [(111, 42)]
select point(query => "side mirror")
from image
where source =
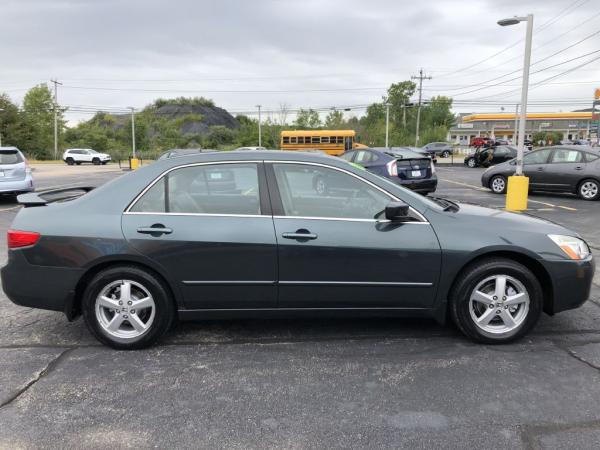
[(397, 212)]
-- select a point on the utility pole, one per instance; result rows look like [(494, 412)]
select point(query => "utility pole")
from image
[(421, 77), (132, 129), (387, 124), (56, 83), (516, 124), (1, 109), (259, 128), (404, 115)]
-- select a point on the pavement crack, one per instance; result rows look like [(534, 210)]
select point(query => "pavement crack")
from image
[(41, 374)]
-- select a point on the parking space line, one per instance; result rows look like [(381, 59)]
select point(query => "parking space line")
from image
[(10, 209), (542, 203), (466, 184), (568, 208)]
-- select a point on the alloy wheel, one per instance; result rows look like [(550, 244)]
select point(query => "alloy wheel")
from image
[(589, 190), (471, 163), (125, 309), (498, 185), (499, 304)]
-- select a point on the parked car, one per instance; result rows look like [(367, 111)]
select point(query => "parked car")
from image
[(402, 166), (583, 142), (170, 246), (528, 144), (174, 152), (251, 148), (443, 149), (555, 169), (501, 142), (84, 155), (481, 142), (15, 174), (486, 157)]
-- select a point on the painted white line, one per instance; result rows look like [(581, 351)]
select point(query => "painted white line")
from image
[(11, 208), (466, 184), (568, 208)]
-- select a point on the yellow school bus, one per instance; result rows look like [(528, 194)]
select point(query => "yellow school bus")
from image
[(334, 142)]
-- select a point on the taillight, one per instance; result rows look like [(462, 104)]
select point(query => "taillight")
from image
[(392, 168), (17, 238)]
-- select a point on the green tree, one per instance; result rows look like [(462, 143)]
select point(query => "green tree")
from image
[(334, 120), (307, 118), (10, 122), (37, 137)]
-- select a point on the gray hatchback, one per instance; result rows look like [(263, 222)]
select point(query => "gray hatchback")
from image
[(570, 169)]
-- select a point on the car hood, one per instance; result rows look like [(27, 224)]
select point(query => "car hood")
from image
[(500, 220)]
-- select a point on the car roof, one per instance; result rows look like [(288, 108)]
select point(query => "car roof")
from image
[(405, 152)]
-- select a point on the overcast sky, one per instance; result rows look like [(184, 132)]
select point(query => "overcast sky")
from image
[(309, 53)]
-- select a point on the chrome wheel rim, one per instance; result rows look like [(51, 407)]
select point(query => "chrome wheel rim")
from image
[(498, 184), (589, 189), (499, 304), (471, 163), (125, 309)]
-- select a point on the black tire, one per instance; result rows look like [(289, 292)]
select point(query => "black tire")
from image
[(474, 274), (96, 161), (78, 163), (471, 163), (164, 315), (69, 161), (104, 163), (589, 189), (498, 184), (445, 154)]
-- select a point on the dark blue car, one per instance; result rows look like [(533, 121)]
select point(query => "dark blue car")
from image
[(400, 165)]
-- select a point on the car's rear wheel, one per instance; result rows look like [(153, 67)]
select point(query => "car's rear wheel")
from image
[(589, 189), (96, 161), (70, 161), (471, 162), (104, 163), (445, 154), (496, 301), (126, 307), (498, 184)]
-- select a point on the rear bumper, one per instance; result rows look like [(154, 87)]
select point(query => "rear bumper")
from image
[(24, 185), (423, 185), (34, 286), (571, 280)]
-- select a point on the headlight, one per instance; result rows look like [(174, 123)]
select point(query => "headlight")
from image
[(575, 248)]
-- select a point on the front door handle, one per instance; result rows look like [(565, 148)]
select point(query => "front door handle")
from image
[(155, 230), (301, 235), (540, 169), (578, 168)]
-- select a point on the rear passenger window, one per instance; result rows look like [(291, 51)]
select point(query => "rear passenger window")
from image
[(207, 189), (566, 156)]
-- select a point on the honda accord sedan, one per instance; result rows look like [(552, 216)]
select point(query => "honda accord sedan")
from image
[(241, 234), (573, 169)]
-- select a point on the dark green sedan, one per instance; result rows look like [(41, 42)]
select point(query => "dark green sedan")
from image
[(241, 234)]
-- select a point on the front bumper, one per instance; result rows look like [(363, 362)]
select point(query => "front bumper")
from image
[(41, 287), (571, 282), (24, 185)]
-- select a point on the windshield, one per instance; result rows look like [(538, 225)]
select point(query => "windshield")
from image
[(92, 151), (413, 195), (10, 157)]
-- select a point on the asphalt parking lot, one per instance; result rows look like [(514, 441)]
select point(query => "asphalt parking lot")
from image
[(310, 383)]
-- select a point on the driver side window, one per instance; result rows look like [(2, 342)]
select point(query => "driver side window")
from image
[(316, 191)]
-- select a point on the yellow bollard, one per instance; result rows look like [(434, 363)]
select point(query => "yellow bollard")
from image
[(134, 163), (516, 193)]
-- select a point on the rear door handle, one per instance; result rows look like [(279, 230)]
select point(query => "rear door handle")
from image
[(155, 230), (301, 235), (578, 168), (540, 169)]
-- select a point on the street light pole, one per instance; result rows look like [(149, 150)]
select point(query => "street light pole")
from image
[(259, 127), (387, 124), (132, 130), (515, 134), (518, 185), (1, 109)]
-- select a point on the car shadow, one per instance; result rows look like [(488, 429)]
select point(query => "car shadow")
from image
[(305, 330)]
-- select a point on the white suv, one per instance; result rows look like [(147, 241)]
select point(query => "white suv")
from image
[(80, 155)]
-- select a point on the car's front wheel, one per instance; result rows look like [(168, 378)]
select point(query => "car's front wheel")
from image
[(498, 184), (70, 161), (589, 190), (471, 162), (126, 307), (96, 161), (496, 301)]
